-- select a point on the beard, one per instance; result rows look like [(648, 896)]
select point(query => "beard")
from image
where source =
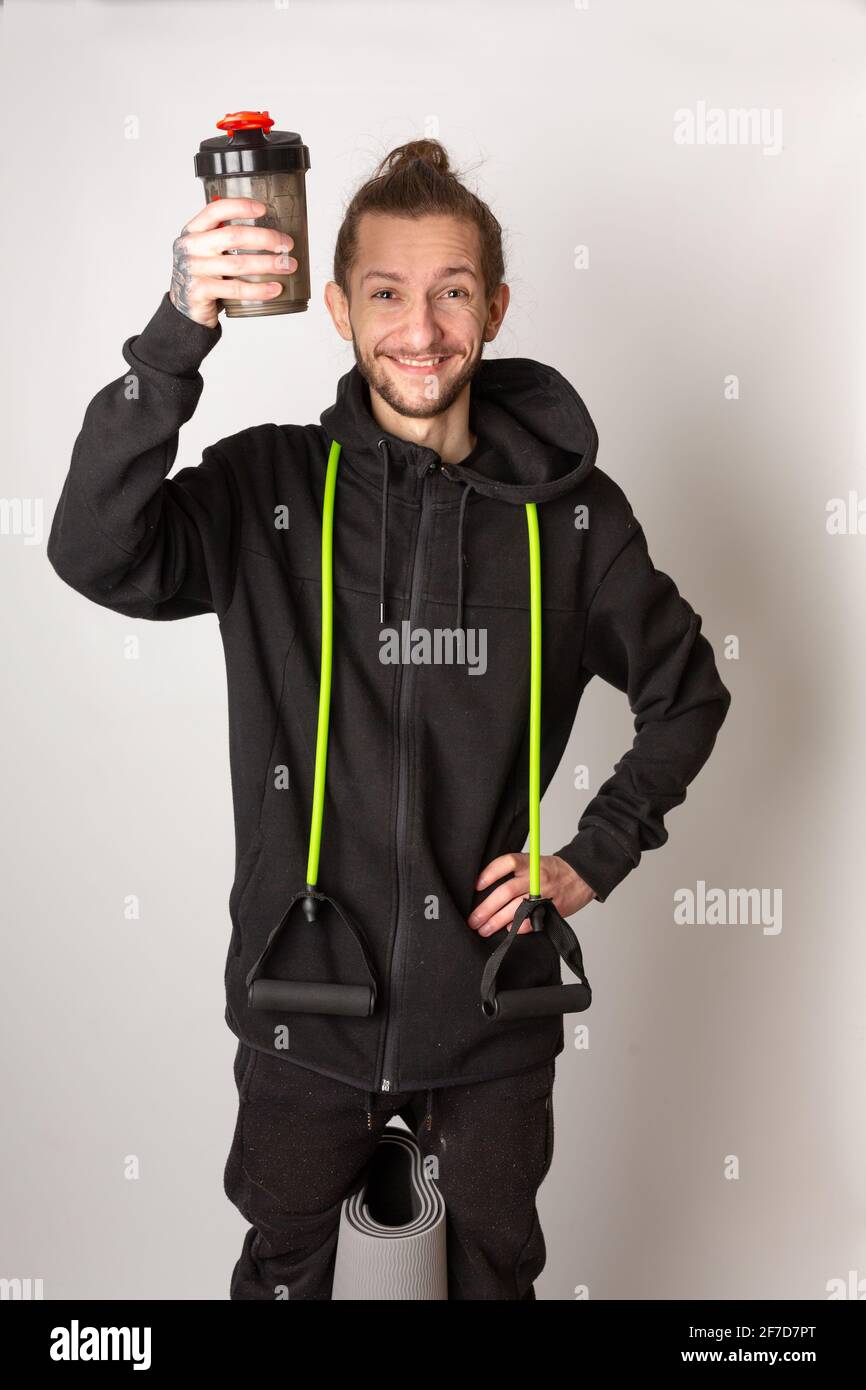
[(421, 408)]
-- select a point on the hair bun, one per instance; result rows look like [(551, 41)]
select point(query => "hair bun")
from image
[(430, 151)]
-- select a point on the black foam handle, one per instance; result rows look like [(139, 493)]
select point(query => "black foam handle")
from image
[(539, 1002), (312, 997)]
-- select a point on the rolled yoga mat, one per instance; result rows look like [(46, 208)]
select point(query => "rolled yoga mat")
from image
[(391, 1242)]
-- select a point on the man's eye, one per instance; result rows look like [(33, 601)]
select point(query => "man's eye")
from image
[(455, 289)]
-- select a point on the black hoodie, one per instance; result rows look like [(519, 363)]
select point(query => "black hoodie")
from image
[(427, 764)]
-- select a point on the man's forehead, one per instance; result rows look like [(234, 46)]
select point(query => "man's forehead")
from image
[(400, 248)]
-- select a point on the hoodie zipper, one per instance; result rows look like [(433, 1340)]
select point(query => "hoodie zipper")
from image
[(387, 1075)]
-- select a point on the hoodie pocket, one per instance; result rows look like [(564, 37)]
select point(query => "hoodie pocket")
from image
[(243, 878)]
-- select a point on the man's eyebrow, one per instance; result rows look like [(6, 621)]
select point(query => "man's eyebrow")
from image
[(441, 274)]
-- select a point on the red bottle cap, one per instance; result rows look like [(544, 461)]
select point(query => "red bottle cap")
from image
[(245, 120)]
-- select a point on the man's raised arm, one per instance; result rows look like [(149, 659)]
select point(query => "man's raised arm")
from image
[(124, 534)]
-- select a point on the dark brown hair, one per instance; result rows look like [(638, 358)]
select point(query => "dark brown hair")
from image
[(416, 180)]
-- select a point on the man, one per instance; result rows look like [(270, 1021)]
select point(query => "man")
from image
[(442, 456)]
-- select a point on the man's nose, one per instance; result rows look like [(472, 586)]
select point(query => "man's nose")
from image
[(420, 329)]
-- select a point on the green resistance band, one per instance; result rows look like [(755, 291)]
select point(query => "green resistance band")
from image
[(325, 676), (534, 702), (325, 683)]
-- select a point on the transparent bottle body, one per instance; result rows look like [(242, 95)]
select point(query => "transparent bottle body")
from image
[(285, 197)]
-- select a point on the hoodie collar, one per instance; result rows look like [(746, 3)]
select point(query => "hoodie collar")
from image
[(536, 441)]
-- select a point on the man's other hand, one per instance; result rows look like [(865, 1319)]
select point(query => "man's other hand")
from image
[(559, 882)]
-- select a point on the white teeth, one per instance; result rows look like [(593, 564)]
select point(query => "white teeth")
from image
[(420, 361)]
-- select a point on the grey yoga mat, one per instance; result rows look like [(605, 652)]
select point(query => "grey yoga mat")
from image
[(391, 1242)]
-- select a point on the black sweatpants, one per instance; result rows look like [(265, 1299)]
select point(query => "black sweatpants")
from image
[(300, 1147)]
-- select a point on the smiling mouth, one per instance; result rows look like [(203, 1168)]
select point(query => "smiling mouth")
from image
[(420, 365)]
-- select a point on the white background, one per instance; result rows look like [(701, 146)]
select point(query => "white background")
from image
[(705, 1041)]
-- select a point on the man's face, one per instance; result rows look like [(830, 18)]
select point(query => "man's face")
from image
[(418, 312)]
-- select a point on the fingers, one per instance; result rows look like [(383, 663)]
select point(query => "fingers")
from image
[(205, 289), (504, 917), (498, 909), (200, 259), (254, 264), (223, 210), (500, 896), (231, 238), (498, 868)]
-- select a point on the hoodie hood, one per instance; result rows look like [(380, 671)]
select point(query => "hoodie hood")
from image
[(538, 437), (535, 441)]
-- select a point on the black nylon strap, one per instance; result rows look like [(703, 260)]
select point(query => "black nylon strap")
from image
[(558, 931), (254, 972)]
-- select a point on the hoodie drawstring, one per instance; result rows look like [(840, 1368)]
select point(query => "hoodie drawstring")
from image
[(383, 544), (461, 558)]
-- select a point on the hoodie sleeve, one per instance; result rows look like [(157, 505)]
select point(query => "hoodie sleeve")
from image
[(124, 534), (643, 638)]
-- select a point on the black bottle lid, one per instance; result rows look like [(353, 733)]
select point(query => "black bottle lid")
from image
[(250, 146)]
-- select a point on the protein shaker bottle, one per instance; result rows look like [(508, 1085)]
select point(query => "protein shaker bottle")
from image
[(254, 161)]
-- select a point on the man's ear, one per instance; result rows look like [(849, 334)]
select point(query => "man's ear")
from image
[(496, 312), (338, 308)]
